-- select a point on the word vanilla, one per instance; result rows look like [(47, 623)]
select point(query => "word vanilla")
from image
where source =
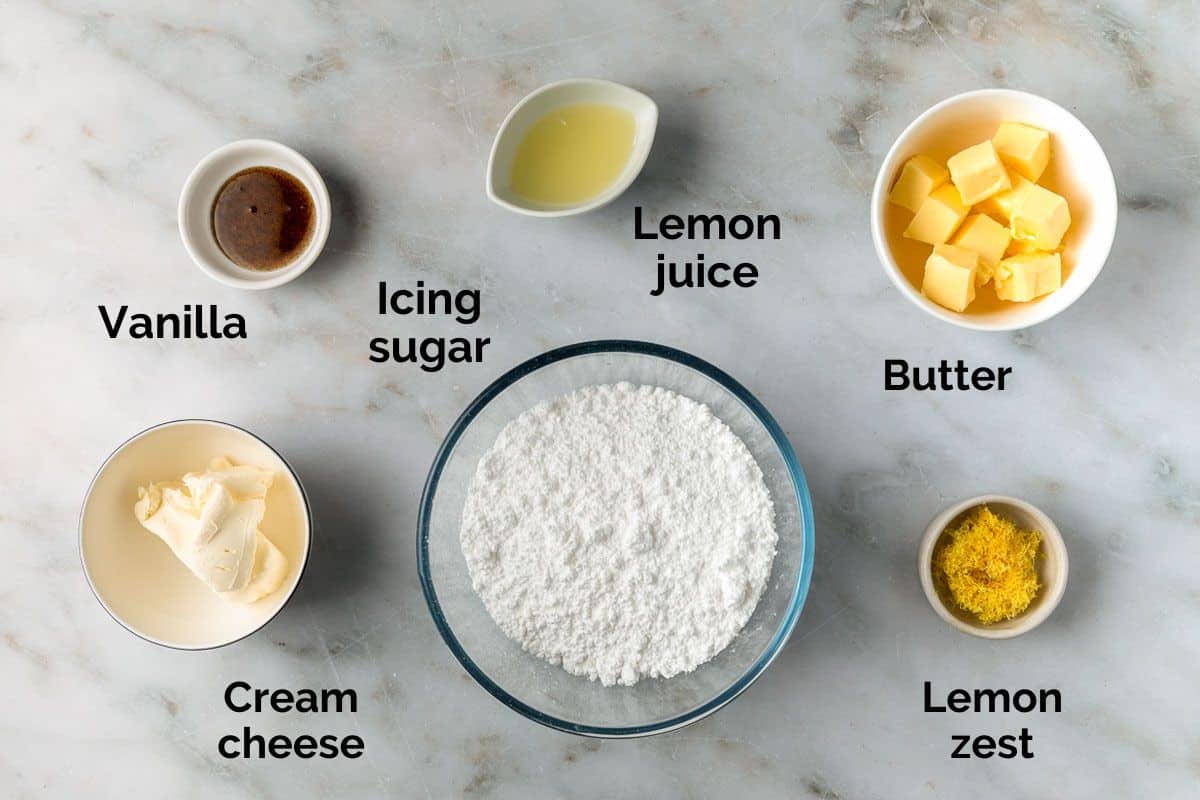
[(195, 322)]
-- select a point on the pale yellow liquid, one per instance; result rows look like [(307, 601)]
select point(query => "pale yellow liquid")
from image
[(572, 154)]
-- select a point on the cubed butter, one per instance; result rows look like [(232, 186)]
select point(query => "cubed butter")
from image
[(1019, 246), (986, 237), (918, 178), (1002, 204), (950, 276), (938, 217), (1041, 217), (978, 173), (1023, 277), (1023, 148)]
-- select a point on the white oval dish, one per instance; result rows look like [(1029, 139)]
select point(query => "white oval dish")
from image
[(1052, 566), (200, 192), (136, 576), (541, 102), (1077, 159)]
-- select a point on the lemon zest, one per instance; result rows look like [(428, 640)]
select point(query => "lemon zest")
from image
[(988, 565)]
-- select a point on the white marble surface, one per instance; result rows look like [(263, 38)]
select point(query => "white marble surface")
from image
[(776, 106)]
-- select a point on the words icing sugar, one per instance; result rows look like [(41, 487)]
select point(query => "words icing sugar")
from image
[(619, 531)]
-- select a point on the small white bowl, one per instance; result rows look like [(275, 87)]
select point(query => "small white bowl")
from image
[(1051, 566), (541, 102), (136, 576), (1078, 167), (200, 192)]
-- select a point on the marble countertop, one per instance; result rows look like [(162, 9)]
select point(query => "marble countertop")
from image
[(777, 107)]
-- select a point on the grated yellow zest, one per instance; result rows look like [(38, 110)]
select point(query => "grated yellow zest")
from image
[(988, 566)]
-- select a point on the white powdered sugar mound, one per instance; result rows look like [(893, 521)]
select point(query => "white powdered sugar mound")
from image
[(620, 531)]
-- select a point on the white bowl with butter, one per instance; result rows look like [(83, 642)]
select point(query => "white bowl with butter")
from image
[(1078, 168), (142, 582), (604, 168)]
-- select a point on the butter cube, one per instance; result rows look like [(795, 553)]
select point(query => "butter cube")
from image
[(1002, 204), (950, 276), (978, 173), (1024, 149), (919, 176), (1022, 278), (938, 217), (1019, 247), (1041, 217), (986, 237)]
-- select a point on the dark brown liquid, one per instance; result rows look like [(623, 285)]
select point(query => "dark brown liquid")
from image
[(262, 218)]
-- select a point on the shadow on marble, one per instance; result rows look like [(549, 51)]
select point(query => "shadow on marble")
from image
[(349, 532), (672, 163), (1085, 573), (348, 229), (828, 608)]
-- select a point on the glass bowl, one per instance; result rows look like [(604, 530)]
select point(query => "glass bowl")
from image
[(546, 693)]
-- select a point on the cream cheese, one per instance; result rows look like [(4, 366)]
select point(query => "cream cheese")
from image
[(210, 521)]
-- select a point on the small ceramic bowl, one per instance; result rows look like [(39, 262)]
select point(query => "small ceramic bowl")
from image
[(542, 102), (1051, 566), (200, 192), (1078, 170), (136, 576)]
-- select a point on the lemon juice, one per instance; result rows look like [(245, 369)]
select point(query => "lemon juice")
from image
[(572, 154)]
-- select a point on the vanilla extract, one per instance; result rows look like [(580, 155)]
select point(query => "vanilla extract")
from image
[(200, 321), (263, 218)]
